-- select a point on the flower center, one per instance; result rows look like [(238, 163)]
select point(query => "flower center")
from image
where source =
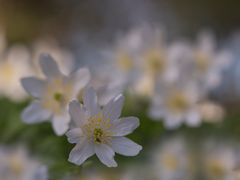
[(217, 168), (98, 135), (58, 96), (202, 62), (124, 62), (155, 62), (98, 129), (16, 165), (177, 102), (170, 161), (8, 71)]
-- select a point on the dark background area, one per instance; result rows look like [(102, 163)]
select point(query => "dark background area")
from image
[(28, 19)]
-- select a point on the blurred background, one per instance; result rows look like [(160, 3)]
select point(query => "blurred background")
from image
[(127, 45)]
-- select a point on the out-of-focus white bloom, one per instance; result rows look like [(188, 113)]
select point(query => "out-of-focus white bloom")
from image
[(173, 160), (153, 61), (63, 57), (208, 62), (14, 64), (176, 103), (211, 112), (123, 65), (219, 161), (53, 94), (140, 59), (106, 87), (15, 164), (100, 131)]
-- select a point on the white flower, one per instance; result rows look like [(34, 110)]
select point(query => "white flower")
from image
[(53, 94), (15, 164), (124, 57), (14, 65), (100, 131), (211, 112), (208, 62), (172, 160), (219, 160), (176, 103), (63, 57), (105, 86)]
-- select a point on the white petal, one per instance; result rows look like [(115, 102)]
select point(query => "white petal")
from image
[(114, 108), (193, 118), (41, 173), (77, 112), (156, 112), (49, 66), (81, 77), (74, 135), (60, 123), (124, 126), (90, 101), (173, 121), (33, 86), (105, 155), (125, 146), (107, 93), (81, 152), (34, 113)]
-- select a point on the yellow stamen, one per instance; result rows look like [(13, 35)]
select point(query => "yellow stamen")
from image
[(177, 102)]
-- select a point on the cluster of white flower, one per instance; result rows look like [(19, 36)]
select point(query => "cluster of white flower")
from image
[(16, 164), (18, 61), (174, 158), (95, 130), (176, 76)]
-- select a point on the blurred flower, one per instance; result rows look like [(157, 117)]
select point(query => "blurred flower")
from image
[(173, 160), (53, 94), (100, 131), (106, 87), (176, 103), (219, 161), (211, 112), (63, 57), (154, 62), (15, 164), (123, 58), (208, 62), (14, 65)]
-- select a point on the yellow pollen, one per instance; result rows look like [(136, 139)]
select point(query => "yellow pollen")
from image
[(8, 71), (177, 102), (98, 135), (202, 61), (16, 164), (170, 162), (98, 129), (58, 96), (124, 61), (155, 62), (216, 168)]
